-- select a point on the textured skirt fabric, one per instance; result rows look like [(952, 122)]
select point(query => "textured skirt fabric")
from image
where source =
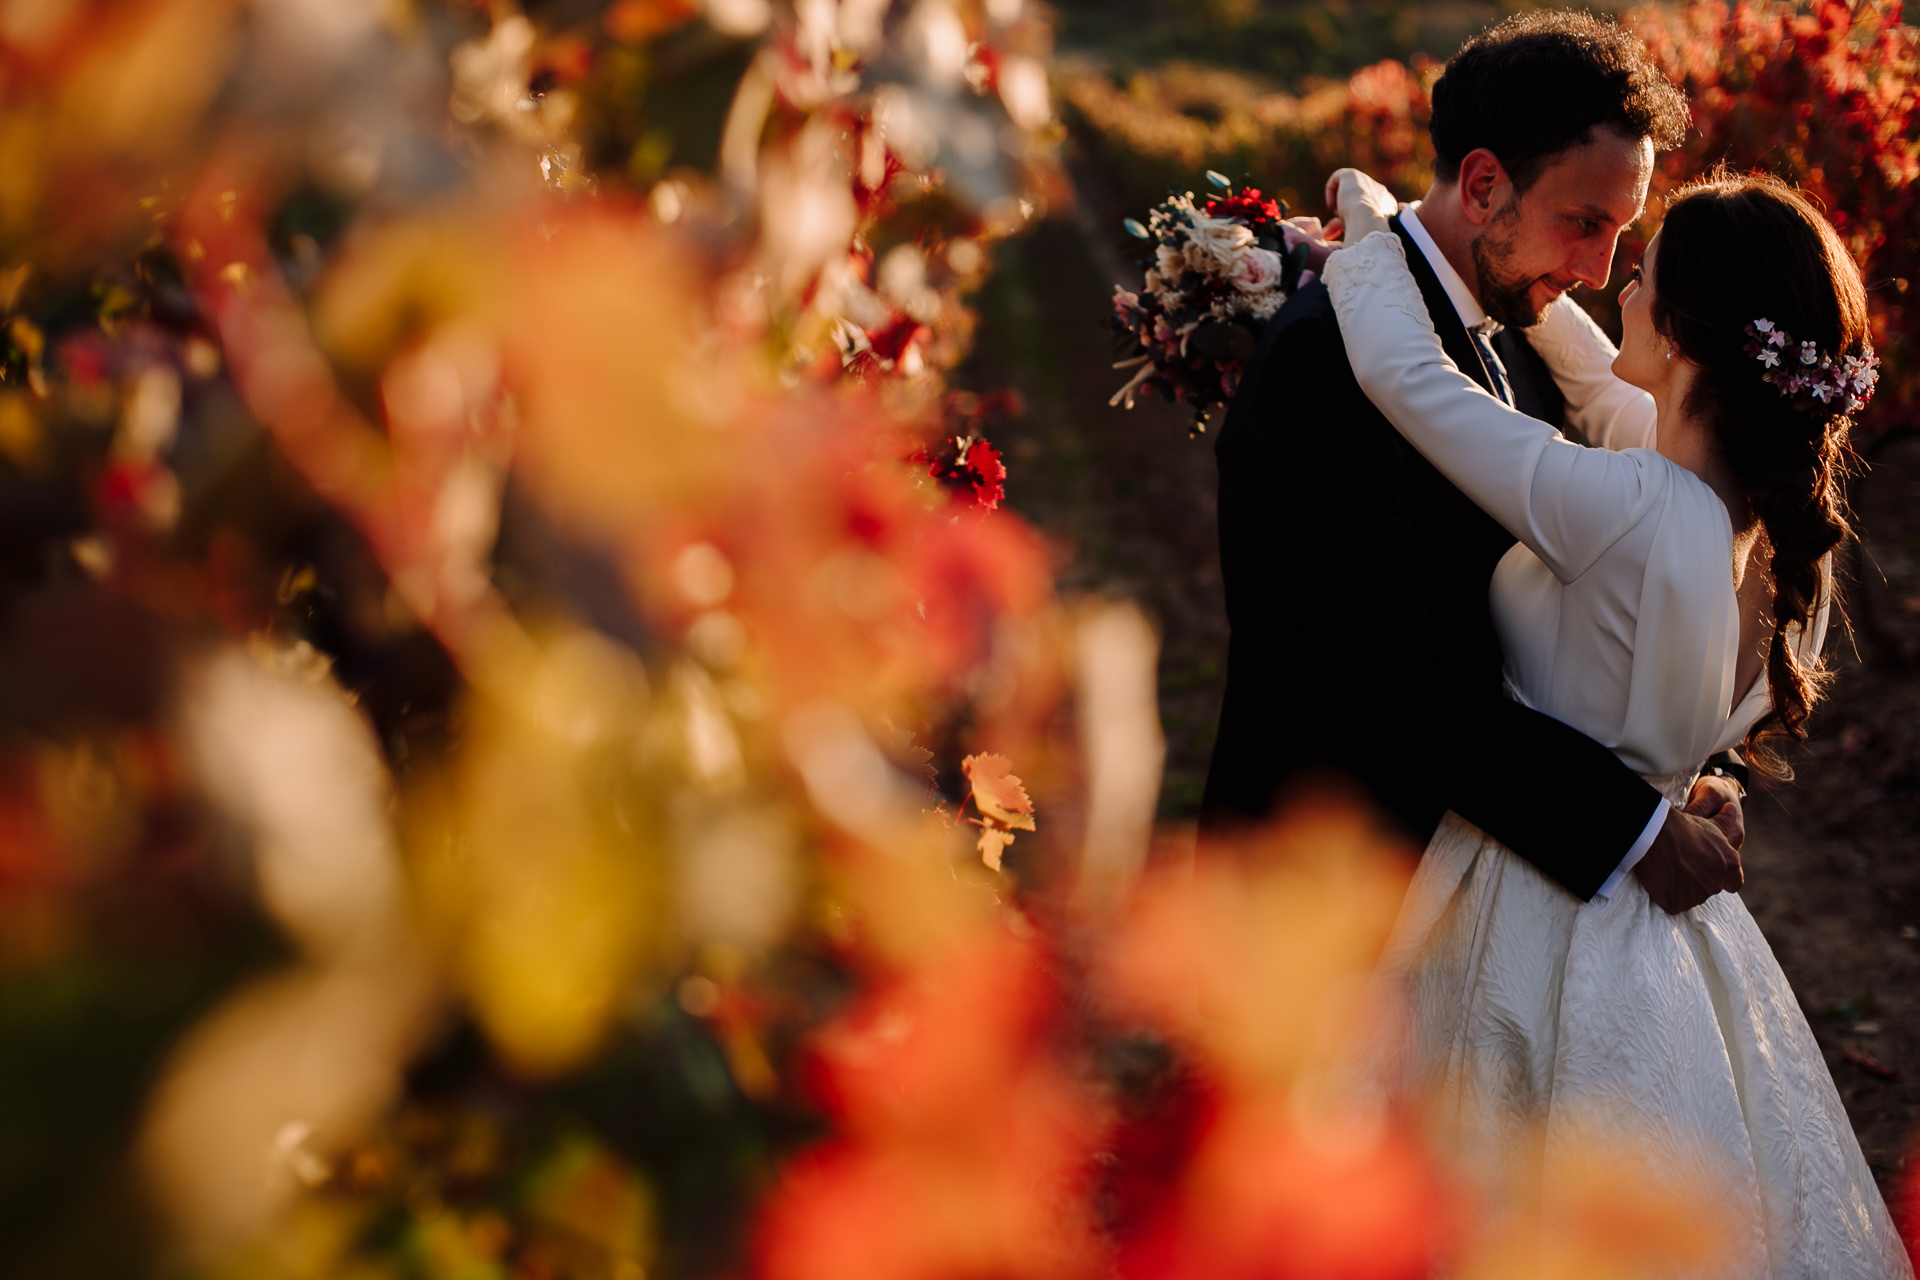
[(1545, 1029)]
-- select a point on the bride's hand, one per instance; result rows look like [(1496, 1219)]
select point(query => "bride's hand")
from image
[(1697, 851), (1363, 205)]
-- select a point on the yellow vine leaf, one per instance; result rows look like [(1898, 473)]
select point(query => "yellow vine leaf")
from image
[(993, 843)]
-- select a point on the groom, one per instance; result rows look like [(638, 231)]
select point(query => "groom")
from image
[(1362, 648)]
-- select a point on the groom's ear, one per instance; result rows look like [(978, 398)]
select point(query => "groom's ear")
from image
[(1484, 185)]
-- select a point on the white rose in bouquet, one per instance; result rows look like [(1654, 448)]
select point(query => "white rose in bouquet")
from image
[(1214, 243)]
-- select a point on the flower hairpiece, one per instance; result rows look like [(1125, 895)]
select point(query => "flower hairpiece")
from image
[(1802, 369)]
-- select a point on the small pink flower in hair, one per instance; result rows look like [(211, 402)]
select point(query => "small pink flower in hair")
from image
[(1862, 374), (1849, 379)]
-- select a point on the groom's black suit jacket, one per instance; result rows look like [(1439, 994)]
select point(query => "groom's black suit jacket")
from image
[(1362, 644)]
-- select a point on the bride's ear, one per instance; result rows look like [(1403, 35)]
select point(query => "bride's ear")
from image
[(1484, 185)]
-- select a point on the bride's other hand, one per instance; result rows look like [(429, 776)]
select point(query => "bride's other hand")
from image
[(1363, 205), (1719, 799), (1697, 853), (1318, 239)]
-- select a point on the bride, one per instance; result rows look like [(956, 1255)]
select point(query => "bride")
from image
[(1668, 597)]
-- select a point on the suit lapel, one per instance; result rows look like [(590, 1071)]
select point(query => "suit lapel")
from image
[(1474, 528), (1454, 339)]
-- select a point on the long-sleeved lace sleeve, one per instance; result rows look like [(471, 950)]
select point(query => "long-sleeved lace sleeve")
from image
[(1610, 413), (1567, 503)]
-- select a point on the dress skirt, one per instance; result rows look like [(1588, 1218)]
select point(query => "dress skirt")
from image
[(1544, 1030)]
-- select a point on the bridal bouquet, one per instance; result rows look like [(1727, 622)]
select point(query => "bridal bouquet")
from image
[(1218, 272)]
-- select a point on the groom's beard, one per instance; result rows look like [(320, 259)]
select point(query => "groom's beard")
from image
[(1506, 297)]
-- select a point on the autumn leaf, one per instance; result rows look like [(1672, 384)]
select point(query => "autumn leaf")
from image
[(901, 748), (993, 843), (970, 469), (997, 791), (989, 474), (891, 340)]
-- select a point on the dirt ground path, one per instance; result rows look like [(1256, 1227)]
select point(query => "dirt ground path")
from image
[(1833, 860), (1833, 866)]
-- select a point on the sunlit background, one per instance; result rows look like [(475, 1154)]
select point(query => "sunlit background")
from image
[(590, 687)]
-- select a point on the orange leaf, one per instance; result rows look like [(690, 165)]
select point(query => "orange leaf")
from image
[(908, 754), (997, 791), (993, 842)]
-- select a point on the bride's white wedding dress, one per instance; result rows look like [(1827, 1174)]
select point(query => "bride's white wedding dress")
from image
[(1540, 1021)]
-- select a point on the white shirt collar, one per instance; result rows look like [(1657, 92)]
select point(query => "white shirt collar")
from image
[(1462, 297)]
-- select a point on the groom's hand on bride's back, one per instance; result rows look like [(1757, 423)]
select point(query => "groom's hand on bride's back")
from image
[(1697, 853)]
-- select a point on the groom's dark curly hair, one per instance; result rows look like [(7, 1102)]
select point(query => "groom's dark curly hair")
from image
[(1528, 88)]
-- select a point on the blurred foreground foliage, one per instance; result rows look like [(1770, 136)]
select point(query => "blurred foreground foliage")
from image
[(527, 747), (490, 559)]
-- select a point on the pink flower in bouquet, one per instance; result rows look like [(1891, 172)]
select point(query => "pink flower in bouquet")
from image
[(1256, 271)]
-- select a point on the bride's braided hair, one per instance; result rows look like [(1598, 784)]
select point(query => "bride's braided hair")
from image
[(1736, 248)]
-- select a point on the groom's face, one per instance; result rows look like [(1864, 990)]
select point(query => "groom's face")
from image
[(1562, 230)]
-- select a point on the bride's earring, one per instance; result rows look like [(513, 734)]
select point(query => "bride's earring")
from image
[(1669, 353)]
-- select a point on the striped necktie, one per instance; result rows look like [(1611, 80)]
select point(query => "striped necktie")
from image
[(1483, 340)]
